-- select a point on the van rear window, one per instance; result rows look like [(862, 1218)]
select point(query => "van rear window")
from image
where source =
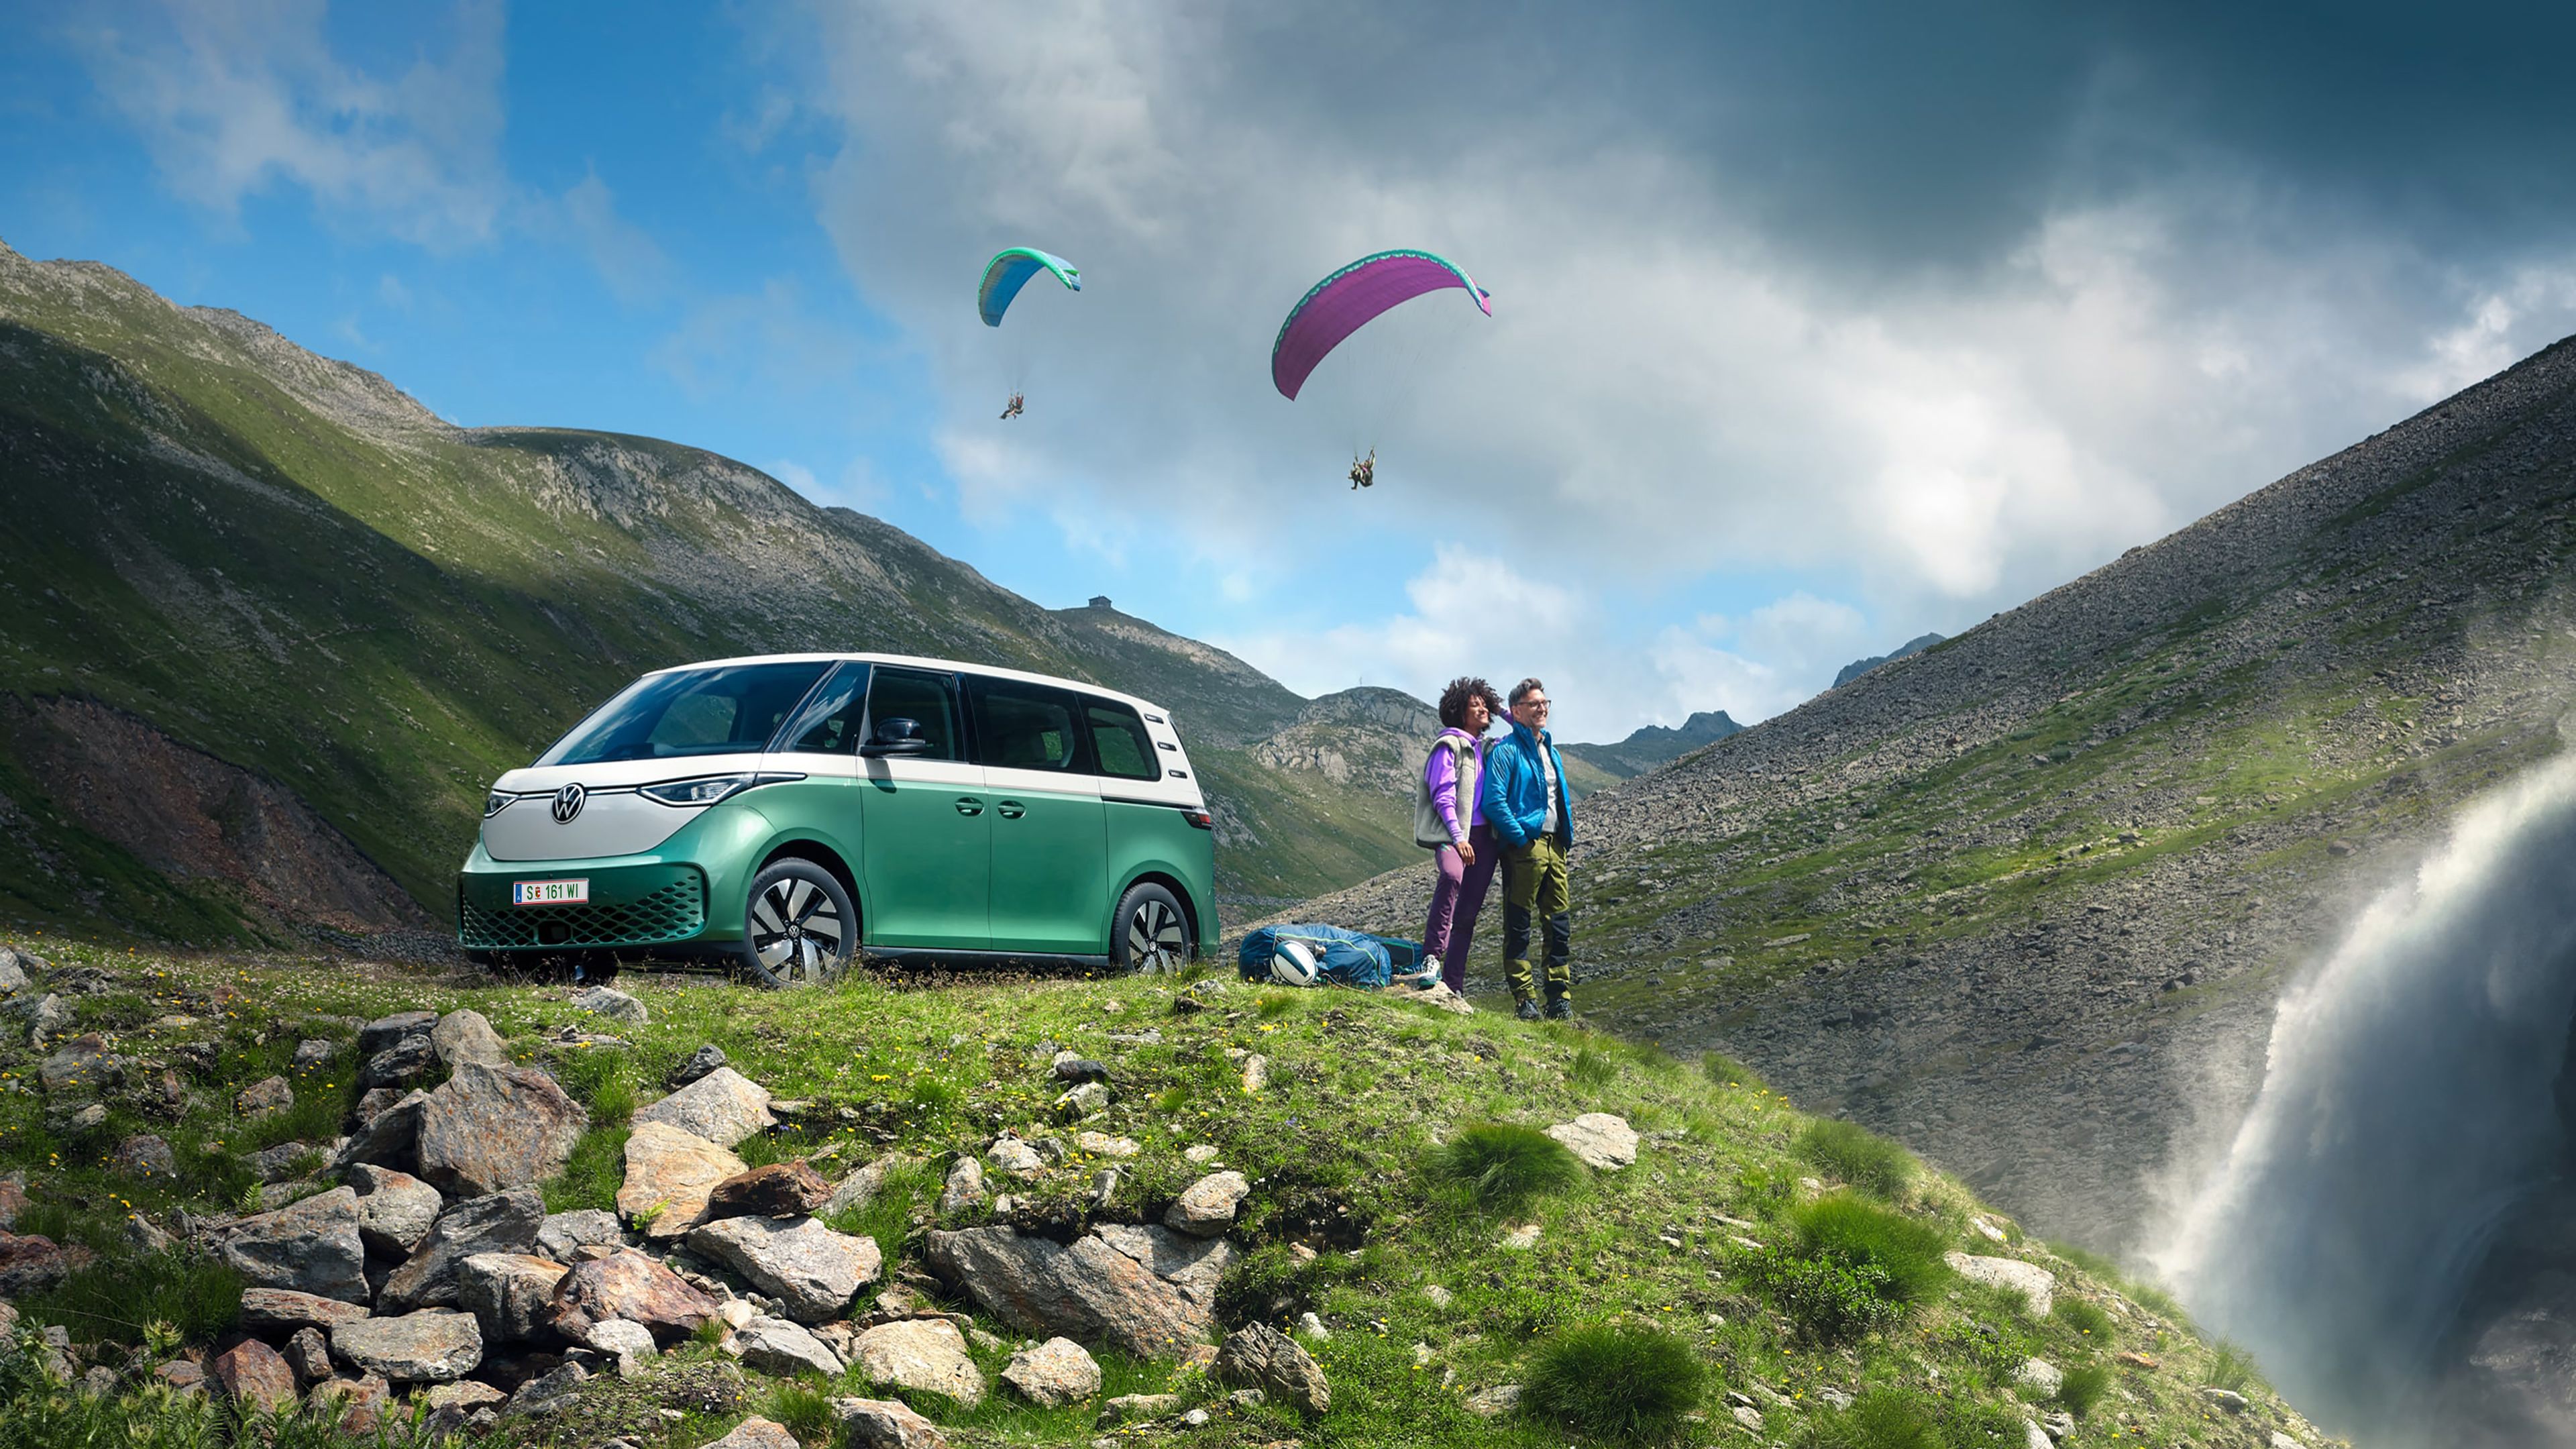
[(1118, 738), (730, 710)]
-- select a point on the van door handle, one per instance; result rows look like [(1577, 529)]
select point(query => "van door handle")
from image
[(969, 805), (1011, 809)]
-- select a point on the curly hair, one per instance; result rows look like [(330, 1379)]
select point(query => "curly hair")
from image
[(1453, 700)]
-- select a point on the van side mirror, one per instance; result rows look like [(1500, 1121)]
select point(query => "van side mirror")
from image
[(895, 737)]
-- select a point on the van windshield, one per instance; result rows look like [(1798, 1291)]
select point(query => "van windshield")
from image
[(732, 710)]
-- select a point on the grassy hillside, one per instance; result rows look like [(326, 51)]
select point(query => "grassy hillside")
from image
[(1754, 1269), (287, 565)]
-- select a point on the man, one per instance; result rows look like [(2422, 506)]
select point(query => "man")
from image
[(1525, 802)]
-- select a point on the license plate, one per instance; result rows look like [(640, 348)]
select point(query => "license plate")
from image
[(549, 892)]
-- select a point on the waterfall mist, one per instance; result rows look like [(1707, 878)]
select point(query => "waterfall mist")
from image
[(2410, 1113)]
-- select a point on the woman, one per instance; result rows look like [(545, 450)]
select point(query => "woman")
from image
[(1449, 817)]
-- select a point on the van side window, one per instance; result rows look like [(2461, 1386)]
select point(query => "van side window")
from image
[(1119, 741), (1024, 726), (829, 722), (927, 699)]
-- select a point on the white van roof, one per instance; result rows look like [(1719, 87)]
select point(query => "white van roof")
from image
[(942, 665)]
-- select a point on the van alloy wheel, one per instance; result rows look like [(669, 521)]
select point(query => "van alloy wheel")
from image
[(798, 929), (1152, 936)]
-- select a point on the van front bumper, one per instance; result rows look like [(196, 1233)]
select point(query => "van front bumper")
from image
[(663, 897)]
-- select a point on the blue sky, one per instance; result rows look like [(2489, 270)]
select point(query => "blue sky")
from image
[(1815, 327)]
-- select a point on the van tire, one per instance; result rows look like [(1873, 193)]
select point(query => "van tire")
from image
[(1150, 933), (799, 926)]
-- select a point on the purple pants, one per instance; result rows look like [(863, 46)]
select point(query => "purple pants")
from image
[(1455, 898)]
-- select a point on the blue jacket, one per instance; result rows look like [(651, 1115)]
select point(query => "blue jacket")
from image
[(1516, 788)]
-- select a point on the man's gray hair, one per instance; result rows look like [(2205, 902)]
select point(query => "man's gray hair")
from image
[(1525, 689)]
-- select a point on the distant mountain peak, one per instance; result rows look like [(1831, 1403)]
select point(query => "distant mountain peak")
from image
[(1910, 647)]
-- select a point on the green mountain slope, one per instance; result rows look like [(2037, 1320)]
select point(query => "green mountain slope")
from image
[(2026, 899), (287, 569)]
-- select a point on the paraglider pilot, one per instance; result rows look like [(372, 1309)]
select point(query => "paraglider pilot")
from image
[(1013, 409), (1364, 471)]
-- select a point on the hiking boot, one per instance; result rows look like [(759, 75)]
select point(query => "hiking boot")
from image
[(1526, 1010), (1560, 1008)]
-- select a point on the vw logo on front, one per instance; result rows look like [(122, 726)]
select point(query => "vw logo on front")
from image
[(568, 803)]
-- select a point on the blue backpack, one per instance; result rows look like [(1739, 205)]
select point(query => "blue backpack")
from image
[(1345, 957)]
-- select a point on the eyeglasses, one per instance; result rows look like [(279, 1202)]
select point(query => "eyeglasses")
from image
[(1533, 702)]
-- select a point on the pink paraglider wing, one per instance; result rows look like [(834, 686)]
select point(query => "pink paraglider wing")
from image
[(1344, 302)]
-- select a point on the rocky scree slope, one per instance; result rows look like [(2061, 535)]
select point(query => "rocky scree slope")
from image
[(376, 1197), (320, 596), (2024, 900)]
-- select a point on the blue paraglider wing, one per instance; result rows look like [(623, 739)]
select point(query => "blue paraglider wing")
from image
[(1010, 270)]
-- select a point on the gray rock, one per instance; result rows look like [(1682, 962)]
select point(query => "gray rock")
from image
[(965, 1188), (1604, 1141), (1016, 1157), (885, 1424), (389, 1136), (493, 1128), (429, 1347), (631, 1286), (501, 1222), (562, 1233), (511, 1295), (464, 1036), (395, 1209), (1264, 1358), (283, 1163), (308, 1247), (281, 1308), (50, 1017), (1054, 1373), (1144, 1290), (783, 1346), (859, 1188), (88, 1119), (813, 1271), (145, 1156), (1125, 1407), (2031, 1280), (554, 1389), (924, 1354), (384, 1031), (308, 1353), (260, 1098), (612, 1003), (1206, 1207), (669, 1173), (2040, 1376), (621, 1340), (1502, 1399), (409, 1062), (1082, 1101), (312, 1053), (13, 975), (722, 1107), (702, 1061)]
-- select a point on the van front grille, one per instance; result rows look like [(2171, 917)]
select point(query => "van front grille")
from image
[(671, 906)]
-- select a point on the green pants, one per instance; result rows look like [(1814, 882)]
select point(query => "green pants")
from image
[(1534, 883)]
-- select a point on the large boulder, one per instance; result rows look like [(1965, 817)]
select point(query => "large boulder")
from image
[(395, 1209), (501, 1222), (272, 1309), (464, 1036), (631, 1286), (407, 1063), (1206, 1207), (387, 1133), (1260, 1356), (812, 1270), (488, 1129), (612, 1003), (778, 1190), (723, 1107), (433, 1346), (782, 1346), (669, 1173), (309, 1247), (1144, 1290), (757, 1433), (2029, 1279), (1603, 1141), (924, 1354), (512, 1295), (885, 1424), (1054, 1373), (256, 1376), (384, 1031), (145, 1156), (81, 1062)]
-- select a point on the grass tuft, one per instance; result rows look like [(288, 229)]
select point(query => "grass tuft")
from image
[(1898, 1418), (1592, 1068), (2231, 1367), (1861, 1234), (592, 1175), (119, 1296), (1857, 1156), (2084, 1387), (804, 1409), (1503, 1168), (1726, 1071), (1607, 1381), (2088, 1319)]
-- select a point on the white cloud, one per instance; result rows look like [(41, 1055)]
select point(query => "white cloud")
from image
[(635, 267)]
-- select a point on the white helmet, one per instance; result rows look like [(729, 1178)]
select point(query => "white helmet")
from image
[(1293, 964)]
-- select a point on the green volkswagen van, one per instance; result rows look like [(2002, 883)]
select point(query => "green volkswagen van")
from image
[(794, 810)]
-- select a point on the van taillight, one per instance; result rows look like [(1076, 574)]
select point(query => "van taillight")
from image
[(1199, 818)]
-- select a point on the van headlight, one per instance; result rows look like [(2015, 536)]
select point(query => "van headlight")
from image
[(708, 789), (495, 802)]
